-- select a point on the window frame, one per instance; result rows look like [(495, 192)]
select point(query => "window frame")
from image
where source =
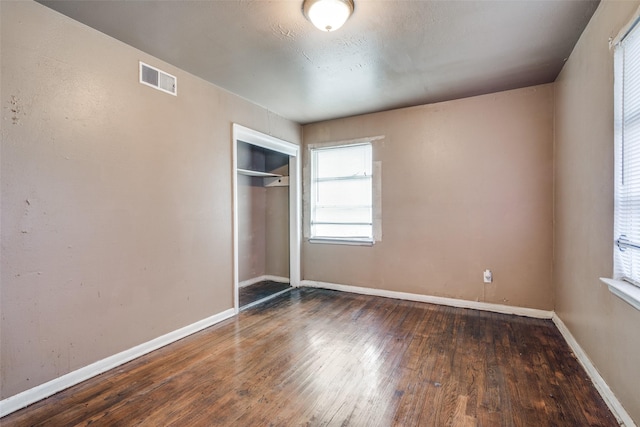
[(374, 180), (624, 284)]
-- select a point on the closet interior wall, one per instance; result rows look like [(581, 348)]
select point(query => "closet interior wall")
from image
[(263, 215)]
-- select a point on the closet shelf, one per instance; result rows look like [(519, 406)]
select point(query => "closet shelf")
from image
[(257, 173)]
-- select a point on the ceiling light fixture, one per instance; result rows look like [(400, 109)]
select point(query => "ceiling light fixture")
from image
[(327, 15)]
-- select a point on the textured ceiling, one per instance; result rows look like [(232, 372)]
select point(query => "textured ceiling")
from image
[(389, 54)]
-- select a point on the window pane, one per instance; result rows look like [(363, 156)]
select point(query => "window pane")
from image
[(344, 192), (341, 231), (341, 188), (346, 215), (627, 172), (348, 161)]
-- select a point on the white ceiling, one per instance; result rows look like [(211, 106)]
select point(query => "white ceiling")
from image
[(389, 54)]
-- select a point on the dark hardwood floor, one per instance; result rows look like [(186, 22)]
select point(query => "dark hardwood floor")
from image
[(314, 357), (258, 291)]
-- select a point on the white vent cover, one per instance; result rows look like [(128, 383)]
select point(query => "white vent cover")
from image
[(158, 79)]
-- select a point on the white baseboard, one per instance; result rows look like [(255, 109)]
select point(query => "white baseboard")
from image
[(452, 302), (262, 278), (42, 391), (624, 419)]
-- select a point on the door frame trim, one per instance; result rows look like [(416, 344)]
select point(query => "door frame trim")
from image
[(253, 137)]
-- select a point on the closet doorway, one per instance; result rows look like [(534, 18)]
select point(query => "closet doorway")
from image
[(266, 216)]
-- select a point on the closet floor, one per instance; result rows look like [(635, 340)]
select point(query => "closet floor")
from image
[(261, 291)]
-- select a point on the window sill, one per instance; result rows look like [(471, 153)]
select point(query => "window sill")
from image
[(336, 241), (624, 290)]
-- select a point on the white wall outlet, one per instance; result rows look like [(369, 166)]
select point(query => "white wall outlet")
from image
[(487, 276)]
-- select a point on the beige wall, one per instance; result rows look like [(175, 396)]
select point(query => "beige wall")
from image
[(466, 185), (252, 222), (277, 232), (116, 198), (604, 326), (263, 229)]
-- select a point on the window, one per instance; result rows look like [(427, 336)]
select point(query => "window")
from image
[(342, 194), (627, 158), (627, 169)]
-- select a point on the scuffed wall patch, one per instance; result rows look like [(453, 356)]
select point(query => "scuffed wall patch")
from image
[(15, 109)]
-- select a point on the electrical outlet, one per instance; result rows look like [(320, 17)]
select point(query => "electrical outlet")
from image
[(487, 276)]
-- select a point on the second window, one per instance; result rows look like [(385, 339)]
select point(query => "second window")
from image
[(342, 193)]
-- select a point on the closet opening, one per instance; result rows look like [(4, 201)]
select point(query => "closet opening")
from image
[(266, 217)]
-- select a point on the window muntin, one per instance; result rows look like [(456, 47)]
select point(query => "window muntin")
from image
[(627, 158), (342, 193)]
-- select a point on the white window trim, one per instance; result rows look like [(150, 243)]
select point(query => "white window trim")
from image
[(377, 195), (624, 290)]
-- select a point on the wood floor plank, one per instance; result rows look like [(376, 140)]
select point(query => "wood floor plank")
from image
[(259, 291), (315, 357)]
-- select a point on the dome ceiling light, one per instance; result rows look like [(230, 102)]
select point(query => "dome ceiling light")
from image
[(327, 15)]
